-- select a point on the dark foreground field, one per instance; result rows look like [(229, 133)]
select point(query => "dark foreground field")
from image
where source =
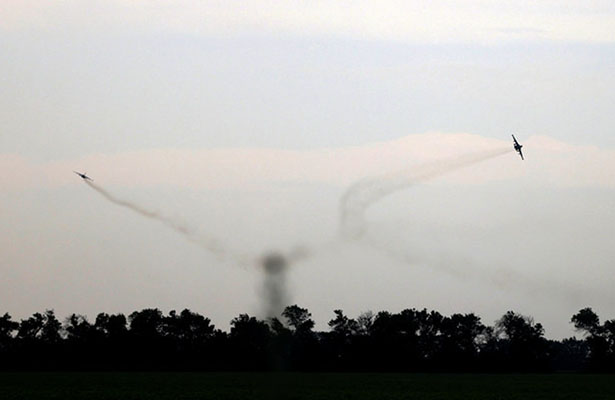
[(256, 386)]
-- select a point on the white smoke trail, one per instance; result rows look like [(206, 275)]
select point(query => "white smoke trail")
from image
[(364, 193), (211, 244)]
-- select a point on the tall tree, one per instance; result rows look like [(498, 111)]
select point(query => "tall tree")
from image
[(7, 327), (147, 323), (365, 320), (340, 340), (303, 347), (588, 321), (111, 326), (461, 335), (51, 329), (599, 338), (77, 328), (30, 329), (250, 341), (299, 319), (188, 326), (342, 326), (522, 342)]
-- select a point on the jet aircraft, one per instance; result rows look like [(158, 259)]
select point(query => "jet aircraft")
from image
[(517, 147), (84, 176)]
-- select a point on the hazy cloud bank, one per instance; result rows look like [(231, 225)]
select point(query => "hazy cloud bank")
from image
[(477, 21), (548, 162)]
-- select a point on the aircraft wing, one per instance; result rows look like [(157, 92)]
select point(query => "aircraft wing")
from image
[(521, 154)]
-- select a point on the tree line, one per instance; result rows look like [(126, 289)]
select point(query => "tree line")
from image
[(410, 341)]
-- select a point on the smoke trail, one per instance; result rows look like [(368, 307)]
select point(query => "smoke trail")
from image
[(274, 284), (501, 275), (212, 245), (364, 193), (274, 265)]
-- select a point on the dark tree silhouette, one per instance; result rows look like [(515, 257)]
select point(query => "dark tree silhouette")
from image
[(50, 332), (411, 340), (461, 336), (111, 326), (190, 339), (299, 319), (568, 355), (78, 329), (148, 346), (7, 327), (38, 341), (365, 321), (83, 344), (250, 343), (522, 342), (44, 327), (609, 331), (7, 341), (396, 341), (251, 331), (599, 338), (342, 327), (587, 320), (30, 329), (341, 342), (188, 327), (429, 336), (302, 344), (147, 323)]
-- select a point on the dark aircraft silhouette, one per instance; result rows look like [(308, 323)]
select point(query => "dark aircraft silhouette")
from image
[(84, 176), (518, 147)]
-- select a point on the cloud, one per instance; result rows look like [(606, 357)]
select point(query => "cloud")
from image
[(418, 21), (548, 162), (560, 163)]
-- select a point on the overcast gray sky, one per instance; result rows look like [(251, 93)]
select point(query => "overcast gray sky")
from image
[(246, 122)]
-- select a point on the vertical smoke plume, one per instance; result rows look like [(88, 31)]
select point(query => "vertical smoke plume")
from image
[(212, 245), (364, 193), (274, 284)]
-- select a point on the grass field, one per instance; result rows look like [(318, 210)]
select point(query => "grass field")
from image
[(256, 386)]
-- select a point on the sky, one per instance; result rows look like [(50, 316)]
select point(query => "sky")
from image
[(242, 126)]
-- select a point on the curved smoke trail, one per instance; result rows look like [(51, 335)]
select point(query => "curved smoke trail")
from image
[(275, 294), (362, 194), (210, 244), (353, 205)]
